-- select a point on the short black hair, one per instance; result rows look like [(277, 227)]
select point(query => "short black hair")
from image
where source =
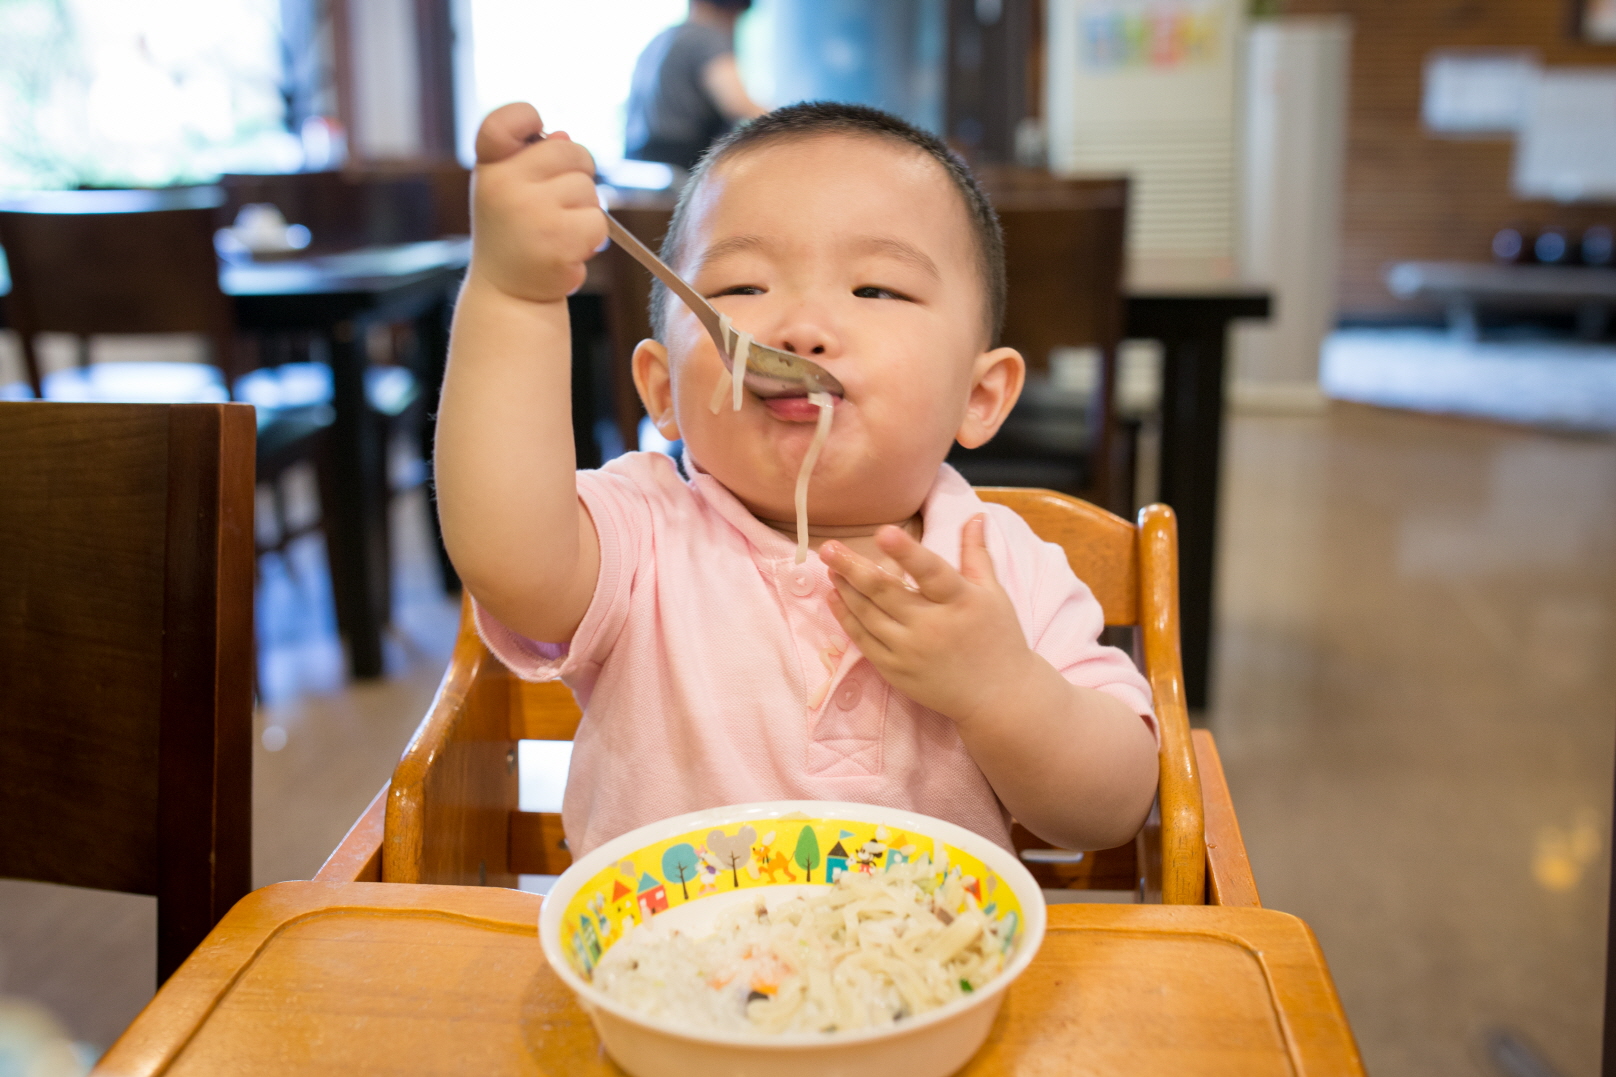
[(812, 118)]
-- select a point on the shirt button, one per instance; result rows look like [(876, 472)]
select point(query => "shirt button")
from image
[(802, 583), (849, 694)]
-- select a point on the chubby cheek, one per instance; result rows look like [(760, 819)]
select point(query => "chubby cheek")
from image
[(714, 438), (695, 372), (912, 423), (690, 398)]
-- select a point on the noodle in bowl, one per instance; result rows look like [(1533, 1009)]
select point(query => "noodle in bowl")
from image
[(697, 901)]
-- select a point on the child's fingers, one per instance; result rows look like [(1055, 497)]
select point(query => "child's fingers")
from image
[(591, 227), (869, 579), (976, 564), (934, 577), (506, 130), (573, 188), (859, 570), (572, 235), (549, 160), (515, 133), (870, 613), (861, 637)]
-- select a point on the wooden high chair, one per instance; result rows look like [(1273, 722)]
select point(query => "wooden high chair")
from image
[(450, 815)]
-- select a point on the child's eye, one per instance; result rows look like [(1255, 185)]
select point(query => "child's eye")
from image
[(739, 289), (872, 291)]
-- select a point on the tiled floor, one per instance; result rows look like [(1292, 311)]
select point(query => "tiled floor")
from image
[(1414, 700), (1416, 705)]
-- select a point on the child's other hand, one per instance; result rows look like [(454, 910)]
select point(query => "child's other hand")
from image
[(952, 642), (535, 216)]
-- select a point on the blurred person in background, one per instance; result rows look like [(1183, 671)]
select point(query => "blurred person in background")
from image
[(687, 90)]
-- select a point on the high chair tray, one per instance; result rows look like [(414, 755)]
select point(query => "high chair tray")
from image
[(361, 978)]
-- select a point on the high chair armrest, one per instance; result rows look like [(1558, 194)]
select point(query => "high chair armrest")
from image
[(1228, 872), (358, 857), (449, 805)]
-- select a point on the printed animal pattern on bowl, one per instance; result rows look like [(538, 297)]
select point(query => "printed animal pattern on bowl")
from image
[(790, 850)]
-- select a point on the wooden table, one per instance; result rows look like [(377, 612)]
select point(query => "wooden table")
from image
[(360, 978), (1463, 288)]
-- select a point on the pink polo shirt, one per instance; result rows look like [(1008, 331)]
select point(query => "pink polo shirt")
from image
[(711, 671)]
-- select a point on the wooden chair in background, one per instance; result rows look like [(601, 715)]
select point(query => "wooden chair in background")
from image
[(126, 655), (450, 814), (1064, 245), (342, 210), (85, 263)]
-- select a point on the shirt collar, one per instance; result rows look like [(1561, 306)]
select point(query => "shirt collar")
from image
[(948, 505)]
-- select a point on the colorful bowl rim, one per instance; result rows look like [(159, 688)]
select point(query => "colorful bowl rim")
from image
[(995, 856)]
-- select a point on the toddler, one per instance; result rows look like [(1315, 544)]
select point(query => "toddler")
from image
[(931, 654)]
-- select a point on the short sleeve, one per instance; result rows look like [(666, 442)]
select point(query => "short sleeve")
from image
[(704, 44), (622, 519)]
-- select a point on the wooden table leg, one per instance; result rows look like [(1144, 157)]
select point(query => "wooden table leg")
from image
[(1192, 439), (1193, 330), (360, 581)]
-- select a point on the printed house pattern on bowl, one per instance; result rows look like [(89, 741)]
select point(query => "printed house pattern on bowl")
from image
[(693, 865)]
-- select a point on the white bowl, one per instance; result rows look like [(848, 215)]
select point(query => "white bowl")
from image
[(589, 906)]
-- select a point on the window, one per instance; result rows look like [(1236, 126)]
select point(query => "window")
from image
[(573, 61), (111, 93)]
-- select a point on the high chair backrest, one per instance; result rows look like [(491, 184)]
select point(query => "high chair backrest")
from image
[(449, 814), (1133, 572)]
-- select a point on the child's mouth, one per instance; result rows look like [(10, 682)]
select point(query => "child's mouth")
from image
[(793, 409)]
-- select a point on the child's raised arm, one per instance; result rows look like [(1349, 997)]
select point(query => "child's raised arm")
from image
[(505, 467)]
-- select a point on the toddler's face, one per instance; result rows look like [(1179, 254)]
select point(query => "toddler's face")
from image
[(857, 253)]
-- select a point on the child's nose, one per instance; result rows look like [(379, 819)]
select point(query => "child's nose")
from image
[(807, 338)]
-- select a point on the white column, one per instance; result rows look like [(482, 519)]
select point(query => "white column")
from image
[(1292, 160)]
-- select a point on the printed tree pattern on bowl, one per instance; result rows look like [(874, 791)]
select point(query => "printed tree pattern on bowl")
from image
[(689, 867)]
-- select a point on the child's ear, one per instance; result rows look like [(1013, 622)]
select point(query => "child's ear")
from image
[(655, 383), (996, 381)]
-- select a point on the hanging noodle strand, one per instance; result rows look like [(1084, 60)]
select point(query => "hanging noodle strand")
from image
[(720, 392), (737, 372), (827, 407)]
